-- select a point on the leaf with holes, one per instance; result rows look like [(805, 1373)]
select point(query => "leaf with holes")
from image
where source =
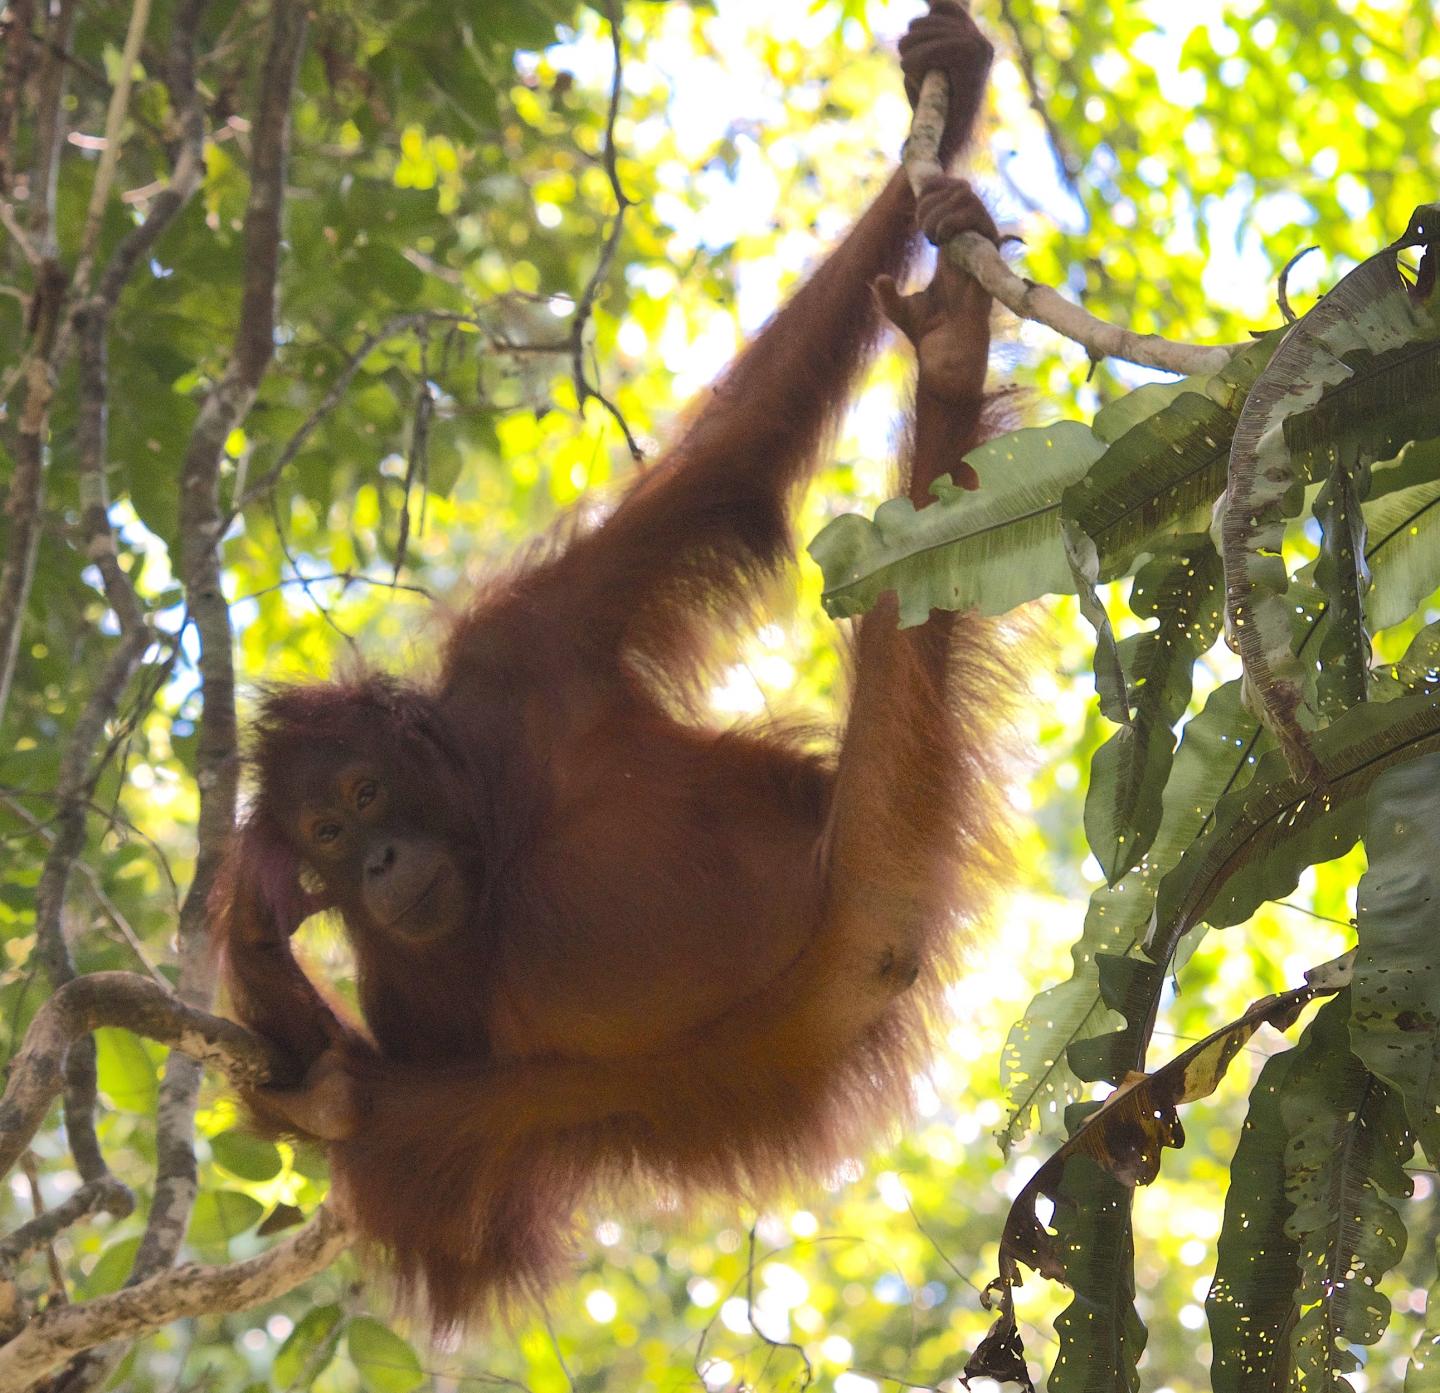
[(1179, 588), (1344, 1160), (1254, 1299), (1160, 477), (1395, 1011)]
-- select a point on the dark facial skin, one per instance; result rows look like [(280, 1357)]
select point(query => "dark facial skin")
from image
[(365, 839)]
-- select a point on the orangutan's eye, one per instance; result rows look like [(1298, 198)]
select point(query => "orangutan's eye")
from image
[(326, 832), (365, 793)]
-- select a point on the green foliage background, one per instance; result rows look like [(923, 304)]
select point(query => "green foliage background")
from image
[(446, 155)]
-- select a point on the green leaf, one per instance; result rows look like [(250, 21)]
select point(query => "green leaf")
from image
[(1216, 756), (250, 1157), (377, 270), (128, 1075), (1033, 1065), (308, 1349), (1109, 678), (1160, 478), (1395, 1015), (1253, 1299), (990, 549), (112, 1268), (1419, 668), (1128, 986), (1418, 462), (220, 1215), (1404, 551), (385, 1362), (1122, 415)]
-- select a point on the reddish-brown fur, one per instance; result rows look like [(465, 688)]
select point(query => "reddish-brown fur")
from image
[(699, 959)]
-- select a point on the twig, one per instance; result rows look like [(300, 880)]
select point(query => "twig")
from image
[(50, 127), (73, 786), (807, 1376), (346, 579), (981, 259), (585, 389), (37, 1203), (292, 563), (1065, 160), (114, 121), (191, 1290), (417, 457), (1282, 288), (21, 238)]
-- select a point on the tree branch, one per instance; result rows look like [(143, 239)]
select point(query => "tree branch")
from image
[(77, 779), (981, 259), (104, 1196), (27, 488), (114, 121), (335, 393), (202, 525), (190, 1290), (585, 390), (19, 16), (135, 1003), (1066, 160), (50, 125)]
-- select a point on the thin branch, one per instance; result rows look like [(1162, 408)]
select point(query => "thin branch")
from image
[(114, 819), (335, 394), (807, 1375), (346, 579), (12, 224), (1029, 299), (77, 779), (135, 1003), (26, 500), (37, 1203), (981, 259), (19, 17), (292, 563), (202, 525), (104, 1196), (108, 907), (50, 127), (1066, 161), (73, 787), (413, 321), (114, 122), (191, 1290), (585, 389)]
